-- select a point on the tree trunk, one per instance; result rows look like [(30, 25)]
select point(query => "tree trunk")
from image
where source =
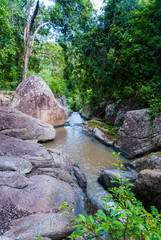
[(25, 66), (28, 45)]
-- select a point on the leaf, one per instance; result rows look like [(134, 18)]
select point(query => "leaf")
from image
[(82, 217), (62, 212), (114, 180), (78, 232), (73, 209), (90, 219)]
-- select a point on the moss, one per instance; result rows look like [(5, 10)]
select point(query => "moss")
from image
[(107, 129), (159, 153), (24, 138)]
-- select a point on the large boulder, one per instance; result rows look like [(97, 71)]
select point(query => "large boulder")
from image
[(146, 184), (33, 97), (115, 112), (139, 134), (107, 175), (17, 124), (32, 191)]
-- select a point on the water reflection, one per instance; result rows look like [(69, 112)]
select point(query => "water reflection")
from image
[(91, 155)]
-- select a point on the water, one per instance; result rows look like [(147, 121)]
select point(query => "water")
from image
[(91, 155)]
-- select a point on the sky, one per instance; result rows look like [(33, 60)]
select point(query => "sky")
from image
[(96, 3)]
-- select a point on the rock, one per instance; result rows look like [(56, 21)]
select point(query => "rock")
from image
[(115, 113), (87, 130), (110, 113), (108, 174), (42, 194), (62, 100), (33, 97), (137, 135), (13, 180), (30, 204), (152, 161), (86, 112), (17, 124), (149, 180), (148, 187), (80, 177), (68, 111), (4, 101), (15, 164), (101, 136), (123, 107), (51, 225), (13, 148)]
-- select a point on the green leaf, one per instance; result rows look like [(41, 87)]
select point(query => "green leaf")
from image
[(78, 232), (82, 217)]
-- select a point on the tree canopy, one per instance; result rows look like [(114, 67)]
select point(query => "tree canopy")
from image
[(112, 55)]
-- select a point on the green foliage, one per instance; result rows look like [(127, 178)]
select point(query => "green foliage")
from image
[(38, 236), (114, 55), (126, 219), (49, 64), (107, 129), (119, 56)]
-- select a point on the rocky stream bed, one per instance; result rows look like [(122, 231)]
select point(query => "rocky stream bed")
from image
[(35, 181)]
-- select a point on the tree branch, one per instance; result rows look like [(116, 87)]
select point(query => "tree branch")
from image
[(35, 33), (34, 16)]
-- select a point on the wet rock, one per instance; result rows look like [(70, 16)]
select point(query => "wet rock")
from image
[(17, 124), (137, 135), (109, 174), (33, 97), (80, 177)]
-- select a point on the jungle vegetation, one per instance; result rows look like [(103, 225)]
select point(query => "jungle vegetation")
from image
[(87, 56)]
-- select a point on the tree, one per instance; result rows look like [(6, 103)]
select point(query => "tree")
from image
[(30, 33)]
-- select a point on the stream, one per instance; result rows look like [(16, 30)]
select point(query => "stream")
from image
[(91, 155)]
